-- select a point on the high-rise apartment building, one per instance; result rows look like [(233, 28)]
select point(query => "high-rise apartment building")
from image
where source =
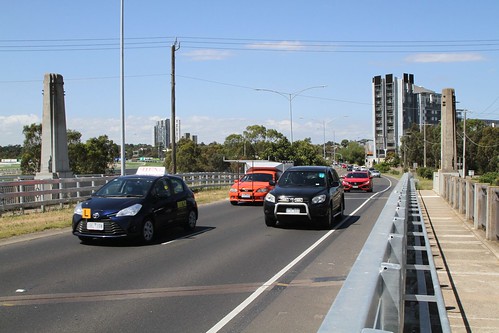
[(162, 134), (397, 105)]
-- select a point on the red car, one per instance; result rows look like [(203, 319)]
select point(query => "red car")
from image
[(358, 180)]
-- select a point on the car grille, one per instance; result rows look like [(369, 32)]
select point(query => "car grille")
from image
[(245, 190), (110, 228)]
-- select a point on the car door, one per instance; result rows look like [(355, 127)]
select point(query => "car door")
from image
[(180, 198), (164, 206), (335, 189)]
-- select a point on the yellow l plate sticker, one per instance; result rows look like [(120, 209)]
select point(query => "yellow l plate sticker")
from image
[(87, 213)]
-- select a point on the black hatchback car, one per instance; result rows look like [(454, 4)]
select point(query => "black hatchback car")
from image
[(136, 206), (306, 193)]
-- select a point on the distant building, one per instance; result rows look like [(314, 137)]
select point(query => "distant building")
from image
[(162, 134), (162, 137), (397, 105)]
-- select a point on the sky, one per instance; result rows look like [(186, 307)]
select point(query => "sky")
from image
[(240, 63)]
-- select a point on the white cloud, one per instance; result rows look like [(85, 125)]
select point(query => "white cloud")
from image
[(11, 128), (280, 46), (208, 54), (444, 57)]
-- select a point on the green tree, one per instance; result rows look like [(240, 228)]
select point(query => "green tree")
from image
[(11, 151), (487, 157), (32, 149), (100, 155), (305, 153)]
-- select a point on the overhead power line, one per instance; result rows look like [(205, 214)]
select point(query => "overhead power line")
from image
[(252, 44)]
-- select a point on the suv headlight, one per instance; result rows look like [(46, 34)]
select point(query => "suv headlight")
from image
[(129, 211), (270, 198), (319, 199)]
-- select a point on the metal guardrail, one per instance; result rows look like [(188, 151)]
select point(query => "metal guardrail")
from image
[(393, 285), (477, 202), (38, 194)]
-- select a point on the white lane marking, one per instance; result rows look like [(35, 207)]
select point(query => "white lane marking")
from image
[(238, 309)]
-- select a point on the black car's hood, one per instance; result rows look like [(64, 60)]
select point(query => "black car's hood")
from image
[(298, 191), (110, 205)]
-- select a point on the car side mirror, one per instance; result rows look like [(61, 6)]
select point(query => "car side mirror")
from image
[(336, 184)]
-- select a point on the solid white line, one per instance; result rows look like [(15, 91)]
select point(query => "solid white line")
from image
[(225, 320)]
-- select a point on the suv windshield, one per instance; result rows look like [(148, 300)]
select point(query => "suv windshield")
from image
[(303, 178)]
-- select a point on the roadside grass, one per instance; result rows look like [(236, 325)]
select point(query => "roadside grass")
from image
[(17, 224)]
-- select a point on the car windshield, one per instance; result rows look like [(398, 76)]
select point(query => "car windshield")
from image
[(303, 178), (125, 187), (257, 177), (357, 175)]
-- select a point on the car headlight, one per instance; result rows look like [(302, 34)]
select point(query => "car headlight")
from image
[(232, 190), (319, 199), (129, 211), (78, 210), (262, 190), (270, 198)]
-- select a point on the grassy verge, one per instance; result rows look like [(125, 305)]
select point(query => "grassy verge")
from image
[(30, 222)]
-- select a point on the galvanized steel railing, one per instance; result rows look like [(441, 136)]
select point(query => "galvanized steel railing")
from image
[(393, 285)]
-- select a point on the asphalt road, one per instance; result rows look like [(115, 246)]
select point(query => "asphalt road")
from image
[(232, 274)]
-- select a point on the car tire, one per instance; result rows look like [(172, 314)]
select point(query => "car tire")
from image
[(327, 221), (233, 203), (269, 221), (341, 210), (190, 223), (147, 231)]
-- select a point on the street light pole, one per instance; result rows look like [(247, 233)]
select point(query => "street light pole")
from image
[(290, 97)]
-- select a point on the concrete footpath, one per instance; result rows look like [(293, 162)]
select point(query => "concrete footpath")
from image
[(467, 265)]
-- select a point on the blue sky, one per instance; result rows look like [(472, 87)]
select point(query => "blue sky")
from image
[(228, 49)]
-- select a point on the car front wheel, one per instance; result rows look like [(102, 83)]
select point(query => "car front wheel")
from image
[(327, 220), (147, 233), (269, 222)]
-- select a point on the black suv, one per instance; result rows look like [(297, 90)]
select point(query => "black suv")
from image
[(307, 193)]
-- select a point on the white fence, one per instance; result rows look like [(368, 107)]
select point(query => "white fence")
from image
[(38, 194), (477, 202)]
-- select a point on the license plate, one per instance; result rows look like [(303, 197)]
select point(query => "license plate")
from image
[(245, 196), (95, 226), (355, 186), (292, 210)]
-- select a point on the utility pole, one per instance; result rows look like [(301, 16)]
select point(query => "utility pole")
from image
[(464, 143), (424, 144), (175, 47)]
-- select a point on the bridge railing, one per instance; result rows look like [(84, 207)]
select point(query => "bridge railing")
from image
[(477, 202), (393, 285), (39, 194)]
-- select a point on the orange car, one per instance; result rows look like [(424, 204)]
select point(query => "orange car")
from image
[(254, 185)]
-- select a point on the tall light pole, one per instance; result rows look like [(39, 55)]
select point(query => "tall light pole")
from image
[(324, 124), (122, 87), (290, 97)]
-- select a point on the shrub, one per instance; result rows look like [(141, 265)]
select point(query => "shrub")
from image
[(490, 177), (426, 173)]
